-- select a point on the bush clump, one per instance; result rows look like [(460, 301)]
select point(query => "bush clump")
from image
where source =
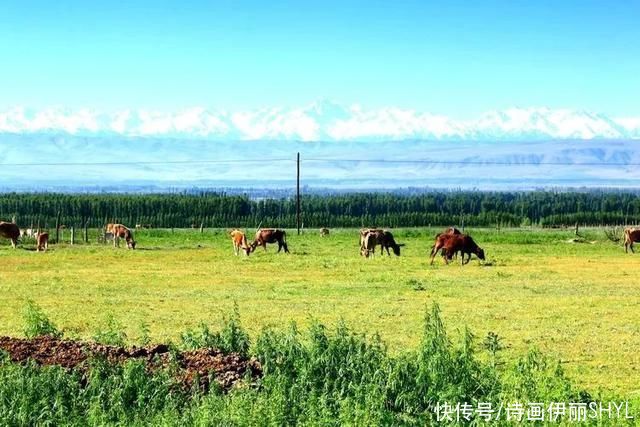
[(36, 322)]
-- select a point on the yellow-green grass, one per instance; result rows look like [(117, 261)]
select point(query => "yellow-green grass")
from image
[(577, 301)]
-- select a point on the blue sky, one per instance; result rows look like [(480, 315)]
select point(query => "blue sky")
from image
[(457, 58)]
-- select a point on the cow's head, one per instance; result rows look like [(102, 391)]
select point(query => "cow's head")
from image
[(131, 244), (480, 253), (396, 249), (248, 249)]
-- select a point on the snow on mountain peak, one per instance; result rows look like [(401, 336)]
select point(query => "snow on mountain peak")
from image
[(323, 120)]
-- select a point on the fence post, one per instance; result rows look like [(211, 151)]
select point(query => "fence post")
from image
[(73, 235), (86, 231)]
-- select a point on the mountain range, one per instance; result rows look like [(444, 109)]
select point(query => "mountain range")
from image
[(53, 161), (323, 121)]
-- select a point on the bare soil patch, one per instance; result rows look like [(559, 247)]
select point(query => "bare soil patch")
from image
[(226, 369)]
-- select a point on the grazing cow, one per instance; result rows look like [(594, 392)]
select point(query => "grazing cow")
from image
[(631, 235), (270, 235), (440, 240), (122, 232), (368, 243), (10, 231), (384, 238), (386, 241), (42, 241), (240, 242), (460, 243), (324, 232), (29, 232)]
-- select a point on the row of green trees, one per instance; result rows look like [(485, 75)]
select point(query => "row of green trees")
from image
[(481, 209)]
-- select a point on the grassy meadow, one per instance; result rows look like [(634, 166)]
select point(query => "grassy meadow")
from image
[(578, 302)]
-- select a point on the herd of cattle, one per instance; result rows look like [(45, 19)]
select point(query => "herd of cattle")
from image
[(449, 243)]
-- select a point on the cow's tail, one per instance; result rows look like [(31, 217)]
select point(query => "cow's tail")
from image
[(284, 241)]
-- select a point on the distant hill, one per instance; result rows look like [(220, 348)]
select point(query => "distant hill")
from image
[(163, 163)]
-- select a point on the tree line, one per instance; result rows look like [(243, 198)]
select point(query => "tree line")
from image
[(473, 208)]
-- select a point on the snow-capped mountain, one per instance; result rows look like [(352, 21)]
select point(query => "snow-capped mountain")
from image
[(323, 121)]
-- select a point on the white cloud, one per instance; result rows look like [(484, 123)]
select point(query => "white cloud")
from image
[(324, 120)]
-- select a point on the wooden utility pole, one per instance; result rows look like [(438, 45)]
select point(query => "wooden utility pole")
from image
[(298, 193), (58, 228)]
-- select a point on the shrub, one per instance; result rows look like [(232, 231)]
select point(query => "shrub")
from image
[(36, 323), (112, 334), (231, 338)]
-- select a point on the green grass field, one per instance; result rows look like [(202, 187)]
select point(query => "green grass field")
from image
[(577, 302)]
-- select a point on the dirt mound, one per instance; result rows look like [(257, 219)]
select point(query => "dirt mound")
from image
[(225, 369)]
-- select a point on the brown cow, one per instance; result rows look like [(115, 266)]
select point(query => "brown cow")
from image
[(270, 235), (461, 243), (631, 235), (42, 241), (239, 241), (440, 240), (324, 232), (122, 232), (10, 231)]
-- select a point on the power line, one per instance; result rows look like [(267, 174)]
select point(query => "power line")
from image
[(143, 163), (322, 160), (467, 162)]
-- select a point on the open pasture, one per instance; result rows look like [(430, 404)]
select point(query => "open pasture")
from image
[(576, 301)]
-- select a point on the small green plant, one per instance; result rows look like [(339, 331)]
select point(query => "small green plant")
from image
[(231, 337), (144, 338), (112, 334), (416, 284), (36, 322), (493, 344)]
